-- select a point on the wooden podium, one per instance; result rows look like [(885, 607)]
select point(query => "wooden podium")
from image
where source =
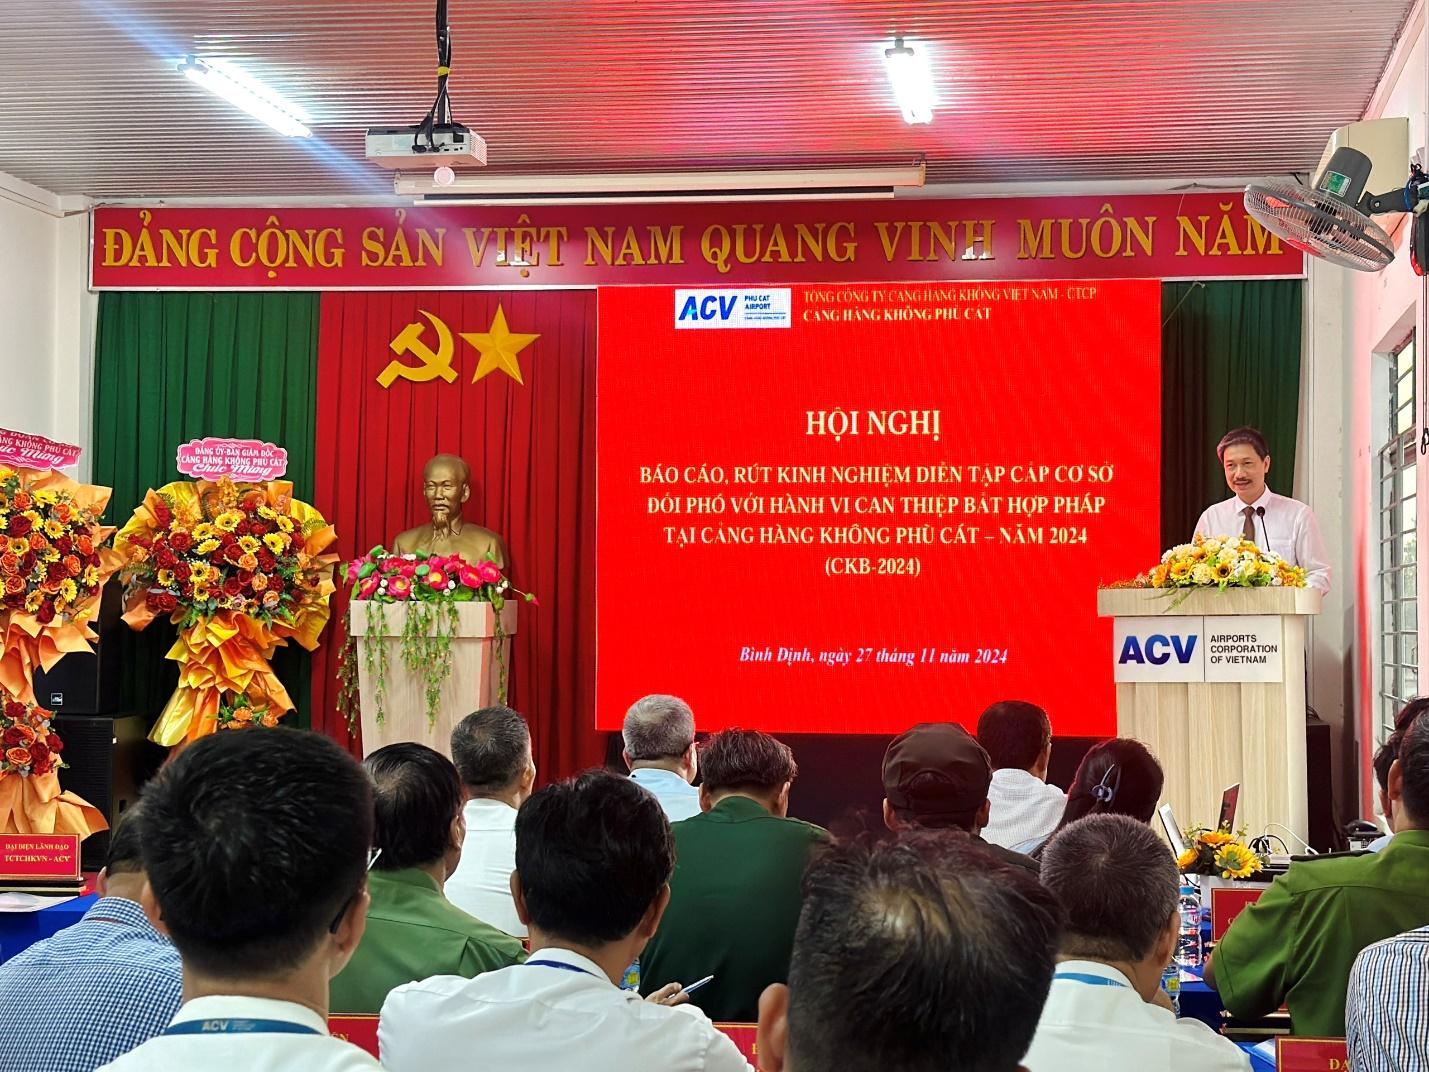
[(1214, 685), (473, 682)]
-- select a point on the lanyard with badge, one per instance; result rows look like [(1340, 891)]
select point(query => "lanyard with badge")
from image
[(1089, 980), (239, 1027)]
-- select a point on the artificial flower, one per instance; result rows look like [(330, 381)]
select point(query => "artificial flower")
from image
[(227, 521), (1237, 861), (276, 542)]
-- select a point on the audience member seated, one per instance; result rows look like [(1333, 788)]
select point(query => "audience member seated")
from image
[(95, 990), (661, 755), (1116, 777), (1386, 755), (1387, 1016), (736, 891), (1117, 885), (492, 752), (1296, 945), (413, 931), (937, 776), (593, 863), (255, 844), (1017, 737), (917, 955)]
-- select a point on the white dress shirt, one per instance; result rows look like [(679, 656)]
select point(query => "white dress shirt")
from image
[(556, 1012), (1287, 528), (1094, 1021), (1022, 808), (481, 884), (678, 797), (1386, 1016), (252, 1051)]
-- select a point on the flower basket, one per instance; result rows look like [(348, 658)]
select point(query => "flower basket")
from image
[(53, 567), (240, 569), (31, 800)]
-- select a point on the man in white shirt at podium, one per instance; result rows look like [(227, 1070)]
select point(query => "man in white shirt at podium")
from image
[(1285, 526)]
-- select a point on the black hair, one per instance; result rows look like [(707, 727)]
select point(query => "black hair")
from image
[(125, 855), (1414, 767), (416, 798), (737, 759), (946, 954), (253, 841), (1384, 759), (1116, 777), (1244, 436), (1116, 883), (1014, 733), (489, 748), (592, 854)]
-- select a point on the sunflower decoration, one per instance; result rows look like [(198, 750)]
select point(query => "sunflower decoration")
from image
[(1218, 852), (1221, 562), (1236, 861)]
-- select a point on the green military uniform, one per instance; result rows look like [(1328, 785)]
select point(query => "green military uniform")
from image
[(414, 932), (1296, 945), (734, 903)]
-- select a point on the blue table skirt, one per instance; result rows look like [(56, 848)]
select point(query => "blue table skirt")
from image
[(20, 930)]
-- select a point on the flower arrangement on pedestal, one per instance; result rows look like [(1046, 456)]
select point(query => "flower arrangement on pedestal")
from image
[(1220, 562), (240, 569), (31, 801), (1218, 852), (53, 566), (430, 586)]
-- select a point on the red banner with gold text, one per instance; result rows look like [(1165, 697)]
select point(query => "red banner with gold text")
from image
[(1156, 236)]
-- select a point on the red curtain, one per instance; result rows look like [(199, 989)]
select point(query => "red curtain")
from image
[(531, 448)]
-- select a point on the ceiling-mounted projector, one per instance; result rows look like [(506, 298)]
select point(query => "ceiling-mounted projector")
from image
[(437, 141), (1333, 218), (410, 148)]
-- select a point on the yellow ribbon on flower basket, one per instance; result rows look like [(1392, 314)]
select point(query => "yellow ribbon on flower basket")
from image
[(37, 805), (227, 651), (28, 643)]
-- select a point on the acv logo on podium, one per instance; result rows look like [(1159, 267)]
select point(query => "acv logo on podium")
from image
[(1196, 649)]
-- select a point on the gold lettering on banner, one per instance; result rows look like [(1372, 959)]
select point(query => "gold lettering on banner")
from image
[(1034, 244)]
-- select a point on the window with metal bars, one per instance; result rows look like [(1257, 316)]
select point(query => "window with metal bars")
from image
[(1398, 545)]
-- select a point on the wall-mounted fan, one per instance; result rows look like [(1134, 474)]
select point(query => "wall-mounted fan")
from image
[(1333, 218)]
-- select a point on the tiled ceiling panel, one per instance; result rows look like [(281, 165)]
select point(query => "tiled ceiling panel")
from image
[(1030, 89)]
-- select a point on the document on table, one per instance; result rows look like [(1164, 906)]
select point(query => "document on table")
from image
[(29, 902)]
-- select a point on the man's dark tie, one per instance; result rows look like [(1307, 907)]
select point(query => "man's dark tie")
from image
[(1248, 532)]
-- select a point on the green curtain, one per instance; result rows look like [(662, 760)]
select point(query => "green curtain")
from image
[(1230, 356), (173, 367)]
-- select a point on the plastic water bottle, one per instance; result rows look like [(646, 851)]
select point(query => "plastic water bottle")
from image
[(631, 981), (1188, 942), (1171, 985)]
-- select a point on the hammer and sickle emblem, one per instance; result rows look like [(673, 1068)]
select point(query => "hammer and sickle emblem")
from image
[(433, 363)]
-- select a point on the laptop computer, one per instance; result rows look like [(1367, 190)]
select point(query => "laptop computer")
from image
[(1173, 829), (1230, 801)]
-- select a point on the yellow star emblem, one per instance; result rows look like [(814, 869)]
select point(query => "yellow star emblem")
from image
[(498, 348)]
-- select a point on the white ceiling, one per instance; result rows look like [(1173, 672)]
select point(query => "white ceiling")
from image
[(1032, 89)]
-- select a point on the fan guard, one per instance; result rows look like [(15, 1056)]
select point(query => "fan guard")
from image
[(1320, 224)]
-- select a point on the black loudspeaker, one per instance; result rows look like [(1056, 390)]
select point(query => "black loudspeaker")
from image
[(108, 759), (1326, 832), (87, 683)]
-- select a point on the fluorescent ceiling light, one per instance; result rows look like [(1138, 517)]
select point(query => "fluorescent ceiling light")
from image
[(911, 77), (691, 184), (244, 91)]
